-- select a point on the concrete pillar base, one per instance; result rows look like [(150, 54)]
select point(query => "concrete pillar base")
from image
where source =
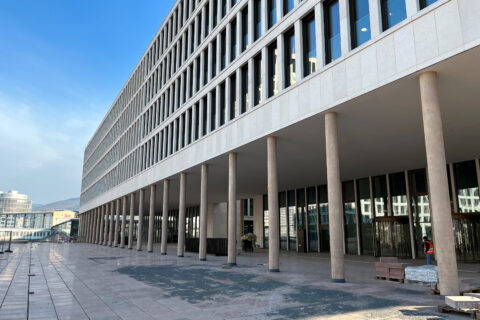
[(274, 270), (338, 280)]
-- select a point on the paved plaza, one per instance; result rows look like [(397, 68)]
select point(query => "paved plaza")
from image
[(87, 281)]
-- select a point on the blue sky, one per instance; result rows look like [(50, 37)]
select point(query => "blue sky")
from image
[(62, 64)]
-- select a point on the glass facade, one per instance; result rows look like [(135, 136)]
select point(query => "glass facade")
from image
[(359, 22), (393, 12), (233, 97), (287, 6), (233, 40), (350, 219), (332, 31), (466, 185), (272, 69), (426, 3), (257, 79), (292, 220), (257, 19), (366, 215), (244, 89), (282, 199), (272, 12), (244, 29), (380, 196), (312, 219)]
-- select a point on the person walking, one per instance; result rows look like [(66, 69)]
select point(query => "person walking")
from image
[(428, 249)]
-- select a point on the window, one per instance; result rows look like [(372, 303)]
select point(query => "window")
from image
[(350, 213), (199, 30), (292, 220), (214, 13), (205, 67), (189, 126), (213, 110), (224, 8), (206, 22), (393, 11), (365, 210), (272, 12), (359, 22), (290, 76), (233, 41), (426, 3), (233, 97), (398, 194), (332, 31), (204, 116), (257, 79), (214, 58), (244, 89), (223, 49), (272, 69), (197, 122), (257, 19), (466, 184), (380, 196), (287, 6), (244, 29), (223, 109), (309, 46)]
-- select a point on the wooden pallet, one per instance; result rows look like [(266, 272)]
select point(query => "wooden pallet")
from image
[(389, 279), (474, 314)]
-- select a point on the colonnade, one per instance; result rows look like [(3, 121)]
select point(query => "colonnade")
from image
[(94, 220)]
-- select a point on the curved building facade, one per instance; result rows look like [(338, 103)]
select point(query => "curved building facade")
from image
[(12, 201), (348, 126)]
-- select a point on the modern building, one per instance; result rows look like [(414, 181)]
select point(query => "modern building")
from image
[(350, 126), (14, 202), (33, 225)]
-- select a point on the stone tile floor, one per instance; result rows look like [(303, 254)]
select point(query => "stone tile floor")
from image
[(87, 281)]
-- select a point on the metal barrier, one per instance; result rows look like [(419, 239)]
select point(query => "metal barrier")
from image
[(5, 236)]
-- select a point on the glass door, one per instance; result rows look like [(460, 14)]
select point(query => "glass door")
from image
[(420, 208), (301, 221)]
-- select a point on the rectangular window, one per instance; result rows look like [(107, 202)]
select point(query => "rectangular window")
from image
[(272, 69), (177, 133), (182, 132), (214, 58), (214, 13), (380, 195), (223, 49), (282, 199), (257, 19), (350, 213), (213, 110), (272, 12), (233, 97), (199, 30), (287, 6), (233, 41), (309, 45), (192, 38), (398, 194), (393, 11), (206, 21), (197, 78), (366, 216), (466, 184), (359, 22), (205, 67), (204, 117), (244, 89), (189, 126), (332, 31), (224, 8), (244, 29), (197, 122), (426, 3), (292, 220), (257, 79), (290, 77), (223, 109)]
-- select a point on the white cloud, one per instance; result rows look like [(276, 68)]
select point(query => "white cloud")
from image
[(41, 156)]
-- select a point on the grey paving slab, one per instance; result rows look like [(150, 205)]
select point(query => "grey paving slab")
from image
[(86, 281)]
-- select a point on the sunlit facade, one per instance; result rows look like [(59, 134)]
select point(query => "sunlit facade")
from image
[(221, 76)]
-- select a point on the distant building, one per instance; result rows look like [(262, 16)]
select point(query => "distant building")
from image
[(33, 225), (14, 202)]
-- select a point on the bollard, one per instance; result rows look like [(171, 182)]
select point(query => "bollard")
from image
[(9, 243)]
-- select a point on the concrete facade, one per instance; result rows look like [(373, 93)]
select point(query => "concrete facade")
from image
[(202, 91)]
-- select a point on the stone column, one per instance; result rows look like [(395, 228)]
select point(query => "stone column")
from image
[(102, 221), (202, 247), (181, 215), (124, 217), (117, 222), (232, 208), (166, 185), (131, 221), (105, 235), (140, 220), (273, 212), (335, 210), (438, 185), (151, 218), (110, 231)]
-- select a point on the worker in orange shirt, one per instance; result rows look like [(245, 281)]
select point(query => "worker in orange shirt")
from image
[(428, 249)]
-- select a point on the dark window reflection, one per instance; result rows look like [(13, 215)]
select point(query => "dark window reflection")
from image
[(309, 45), (360, 22), (393, 11), (332, 31), (467, 187), (426, 3)]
